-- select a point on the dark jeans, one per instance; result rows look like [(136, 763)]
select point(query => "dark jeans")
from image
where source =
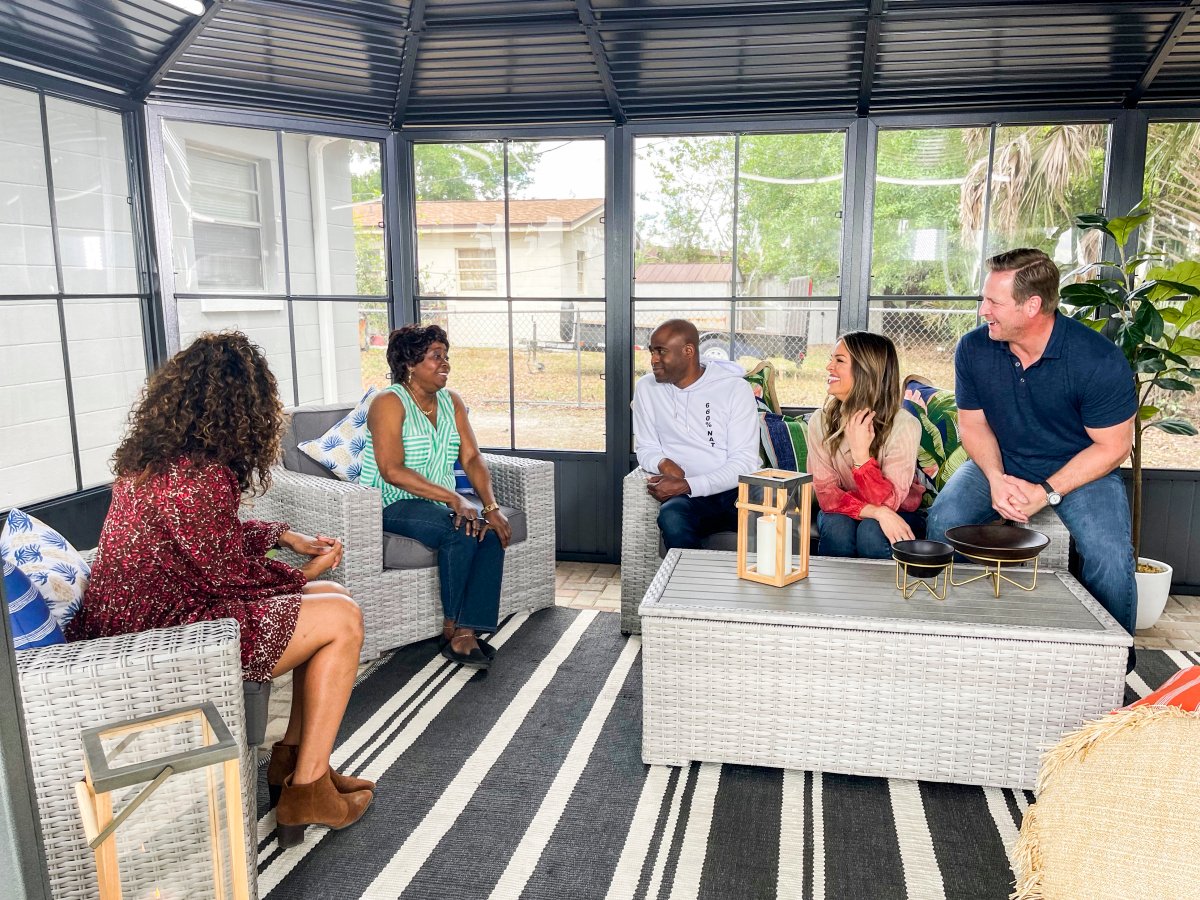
[(843, 536), (469, 570), (684, 520), (1096, 515)]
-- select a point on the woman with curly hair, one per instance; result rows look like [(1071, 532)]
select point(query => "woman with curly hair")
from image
[(416, 429), (862, 452), (173, 552)]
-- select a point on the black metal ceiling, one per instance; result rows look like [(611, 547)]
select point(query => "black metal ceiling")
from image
[(427, 62)]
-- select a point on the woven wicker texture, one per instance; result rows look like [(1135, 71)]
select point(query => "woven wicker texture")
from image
[(401, 606), (640, 559), (892, 697), (69, 687), (1116, 812)]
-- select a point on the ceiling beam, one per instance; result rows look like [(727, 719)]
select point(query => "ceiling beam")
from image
[(408, 65), (183, 41), (1170, 39), (587, 19), (870, 55)]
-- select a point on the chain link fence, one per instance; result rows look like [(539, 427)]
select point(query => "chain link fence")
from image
[(925, 334)]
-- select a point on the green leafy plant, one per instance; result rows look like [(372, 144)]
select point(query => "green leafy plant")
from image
[(1149, 312)]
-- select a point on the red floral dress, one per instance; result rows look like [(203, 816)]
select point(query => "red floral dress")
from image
[(173, 552)]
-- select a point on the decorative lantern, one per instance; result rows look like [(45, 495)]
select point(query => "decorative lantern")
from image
[(786, 507), (178, 843)]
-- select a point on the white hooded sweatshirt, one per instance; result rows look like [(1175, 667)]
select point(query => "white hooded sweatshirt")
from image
[(710, 428)]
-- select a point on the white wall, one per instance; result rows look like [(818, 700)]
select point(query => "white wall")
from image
[(326, 340), (26, 244), (104, 336), (544, 260)]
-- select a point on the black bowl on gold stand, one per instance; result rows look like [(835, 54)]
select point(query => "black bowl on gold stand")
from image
[(923, 561), (996, 546)]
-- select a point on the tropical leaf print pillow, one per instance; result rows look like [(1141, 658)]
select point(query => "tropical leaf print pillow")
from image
[(55, 568)]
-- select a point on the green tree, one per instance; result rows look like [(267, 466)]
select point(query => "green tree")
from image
[(471, 171)]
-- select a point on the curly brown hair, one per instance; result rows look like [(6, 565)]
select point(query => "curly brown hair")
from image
[(213, 402), (408, 345)]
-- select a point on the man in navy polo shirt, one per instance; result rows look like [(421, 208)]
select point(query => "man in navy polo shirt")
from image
[(1046, 409)]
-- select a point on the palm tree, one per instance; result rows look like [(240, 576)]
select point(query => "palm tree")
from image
[(1040, 174)]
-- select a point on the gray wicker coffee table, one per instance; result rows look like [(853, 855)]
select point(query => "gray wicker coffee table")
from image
[(837, 673)]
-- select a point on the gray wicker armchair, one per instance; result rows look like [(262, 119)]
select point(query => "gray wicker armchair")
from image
[(640, 545), (402, 605), (69, 687)]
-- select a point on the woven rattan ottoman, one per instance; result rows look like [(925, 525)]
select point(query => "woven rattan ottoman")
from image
[(837, 673)]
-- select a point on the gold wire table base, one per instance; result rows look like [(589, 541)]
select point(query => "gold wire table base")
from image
[(908, 588), (997, 575)]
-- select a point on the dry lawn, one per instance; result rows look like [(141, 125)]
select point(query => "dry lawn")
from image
[(560, 395)]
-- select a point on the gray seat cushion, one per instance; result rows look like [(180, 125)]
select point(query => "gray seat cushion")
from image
[(306, 423), (400, 552)]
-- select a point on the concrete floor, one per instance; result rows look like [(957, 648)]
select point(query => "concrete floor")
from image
[(598, 586)]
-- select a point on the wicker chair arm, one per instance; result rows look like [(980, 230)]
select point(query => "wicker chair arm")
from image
[(314, 505), (525, 484)]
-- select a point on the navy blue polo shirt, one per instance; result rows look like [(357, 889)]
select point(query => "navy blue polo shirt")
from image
[(1039, 414)]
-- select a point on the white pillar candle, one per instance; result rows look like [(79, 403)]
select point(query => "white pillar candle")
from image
[(767, 545)]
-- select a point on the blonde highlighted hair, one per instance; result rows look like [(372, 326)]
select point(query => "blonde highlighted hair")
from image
[(877, 386)]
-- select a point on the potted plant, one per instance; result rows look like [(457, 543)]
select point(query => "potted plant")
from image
[(1147, 310)]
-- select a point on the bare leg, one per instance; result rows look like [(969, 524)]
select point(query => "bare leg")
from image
[(291, 736), (323, 652)]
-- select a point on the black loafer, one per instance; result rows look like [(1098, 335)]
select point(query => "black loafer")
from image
[(488, 650), (473, 660)]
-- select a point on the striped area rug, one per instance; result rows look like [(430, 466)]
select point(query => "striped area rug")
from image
[(527, 782)]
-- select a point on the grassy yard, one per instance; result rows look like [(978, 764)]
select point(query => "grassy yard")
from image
[(560, 395)]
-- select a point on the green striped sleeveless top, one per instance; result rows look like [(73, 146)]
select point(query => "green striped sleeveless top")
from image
[(430, 452)]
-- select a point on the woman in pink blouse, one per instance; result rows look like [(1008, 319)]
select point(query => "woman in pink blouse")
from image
[(862, 453), (173, 551)]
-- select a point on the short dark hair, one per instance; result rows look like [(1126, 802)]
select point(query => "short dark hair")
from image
[(407, 346), (1036, 275)]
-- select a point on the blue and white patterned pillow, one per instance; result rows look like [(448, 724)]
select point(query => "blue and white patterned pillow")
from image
[(462, 484), (56, 569), (32, 623), (340, 449)]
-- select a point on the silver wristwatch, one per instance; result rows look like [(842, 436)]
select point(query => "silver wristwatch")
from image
[(1053, 497)]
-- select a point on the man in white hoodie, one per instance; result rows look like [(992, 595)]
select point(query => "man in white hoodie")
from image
[(696, 428)]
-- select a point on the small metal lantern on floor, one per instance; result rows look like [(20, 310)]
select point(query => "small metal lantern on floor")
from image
[(786, 507), (149, 750)]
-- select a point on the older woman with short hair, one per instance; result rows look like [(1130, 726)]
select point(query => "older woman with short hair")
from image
[(417, 427)]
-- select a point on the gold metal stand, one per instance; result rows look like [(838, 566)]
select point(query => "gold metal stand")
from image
[(908, 588), (997, 575)]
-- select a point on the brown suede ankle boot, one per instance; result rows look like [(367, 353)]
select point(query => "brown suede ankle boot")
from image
[(283, 763), (316, 803)]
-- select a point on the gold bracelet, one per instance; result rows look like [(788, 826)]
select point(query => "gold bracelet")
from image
[(491, 507)]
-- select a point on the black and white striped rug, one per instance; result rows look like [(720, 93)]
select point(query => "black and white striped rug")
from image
[(527, 782)]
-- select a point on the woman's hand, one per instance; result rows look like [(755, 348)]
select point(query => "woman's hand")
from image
[(860, 432), (894, 527), (466, 516), (498, 522), (321, 563), (305, 545)]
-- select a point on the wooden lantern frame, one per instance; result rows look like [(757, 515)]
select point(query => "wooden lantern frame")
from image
[(220, 751), (780, 489)]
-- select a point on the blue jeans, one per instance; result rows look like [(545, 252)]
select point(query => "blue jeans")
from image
[(841, 535), (469, 570), (1096, 515), (684, 520)]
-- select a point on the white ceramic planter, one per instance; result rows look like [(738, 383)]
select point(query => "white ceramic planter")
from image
[(1153, 589)]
